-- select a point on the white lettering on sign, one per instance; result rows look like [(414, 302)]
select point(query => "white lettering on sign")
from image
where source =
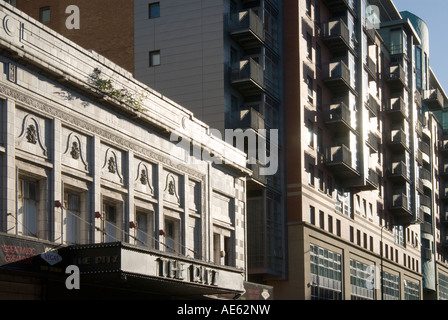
[(173, 269)]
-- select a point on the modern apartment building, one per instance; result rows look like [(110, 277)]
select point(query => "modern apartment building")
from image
[(363, 164), (91, 179), (357, 208)]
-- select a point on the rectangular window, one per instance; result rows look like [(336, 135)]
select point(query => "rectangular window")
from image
[(154, 58), (73, 211), (310, 128), (338, 227), (111, 230), (28, 207), (319, 98), (320, 177), (309, 46), (308, 7), (326, 274), (44, 14), (154, 10), (318, 56), (359, 276), (320, 141), (329, 186), (330, 224), (145, 226), (309, 83), (311, 174), (172, 236), (321, 220), (312, 215)]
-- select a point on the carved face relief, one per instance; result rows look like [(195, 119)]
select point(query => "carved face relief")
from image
[(171, 187), (75, 152), (31, 134), (111, 165), (143, 177)]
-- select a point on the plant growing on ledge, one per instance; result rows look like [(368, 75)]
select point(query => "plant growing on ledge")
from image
[(106, 87)]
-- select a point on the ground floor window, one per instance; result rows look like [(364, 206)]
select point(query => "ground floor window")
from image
[(360, 274), (326, 274), (411, 290), (443, 287), (391, 287)]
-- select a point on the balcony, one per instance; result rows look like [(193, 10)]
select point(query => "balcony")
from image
[(373, 179), (426, 227), (336, 36), (443, 146), (433, 99), (247, 77), (246, 28), (339, 159), (337, 78), (398, 172), (372, 105), (370, 32), (444, 217), (445, 242), (396, 109), (424, 147), (399, 207), (444, 194), (419, 157), (425, 177), (444, 169), (396, 77), (418, 98), (426, 254), (256, 176), (418, 128), (371, 68), (247, 119), (373, 141), (419, 186), (425, 203), (337, 117), (397, 141)]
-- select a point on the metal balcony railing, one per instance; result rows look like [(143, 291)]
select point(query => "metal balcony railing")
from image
[(373, 141), (398, 170), (248, 76), (246, 119), (397, 77), (336, 35), (397, 140), (372, 105), (396, 107), (371, 67), (433, 99), (425, 201), (247, 29), (338, 76), (337, 116)]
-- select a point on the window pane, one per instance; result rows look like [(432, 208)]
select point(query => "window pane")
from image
[(45, 15), (154, 10), (154, 58)]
